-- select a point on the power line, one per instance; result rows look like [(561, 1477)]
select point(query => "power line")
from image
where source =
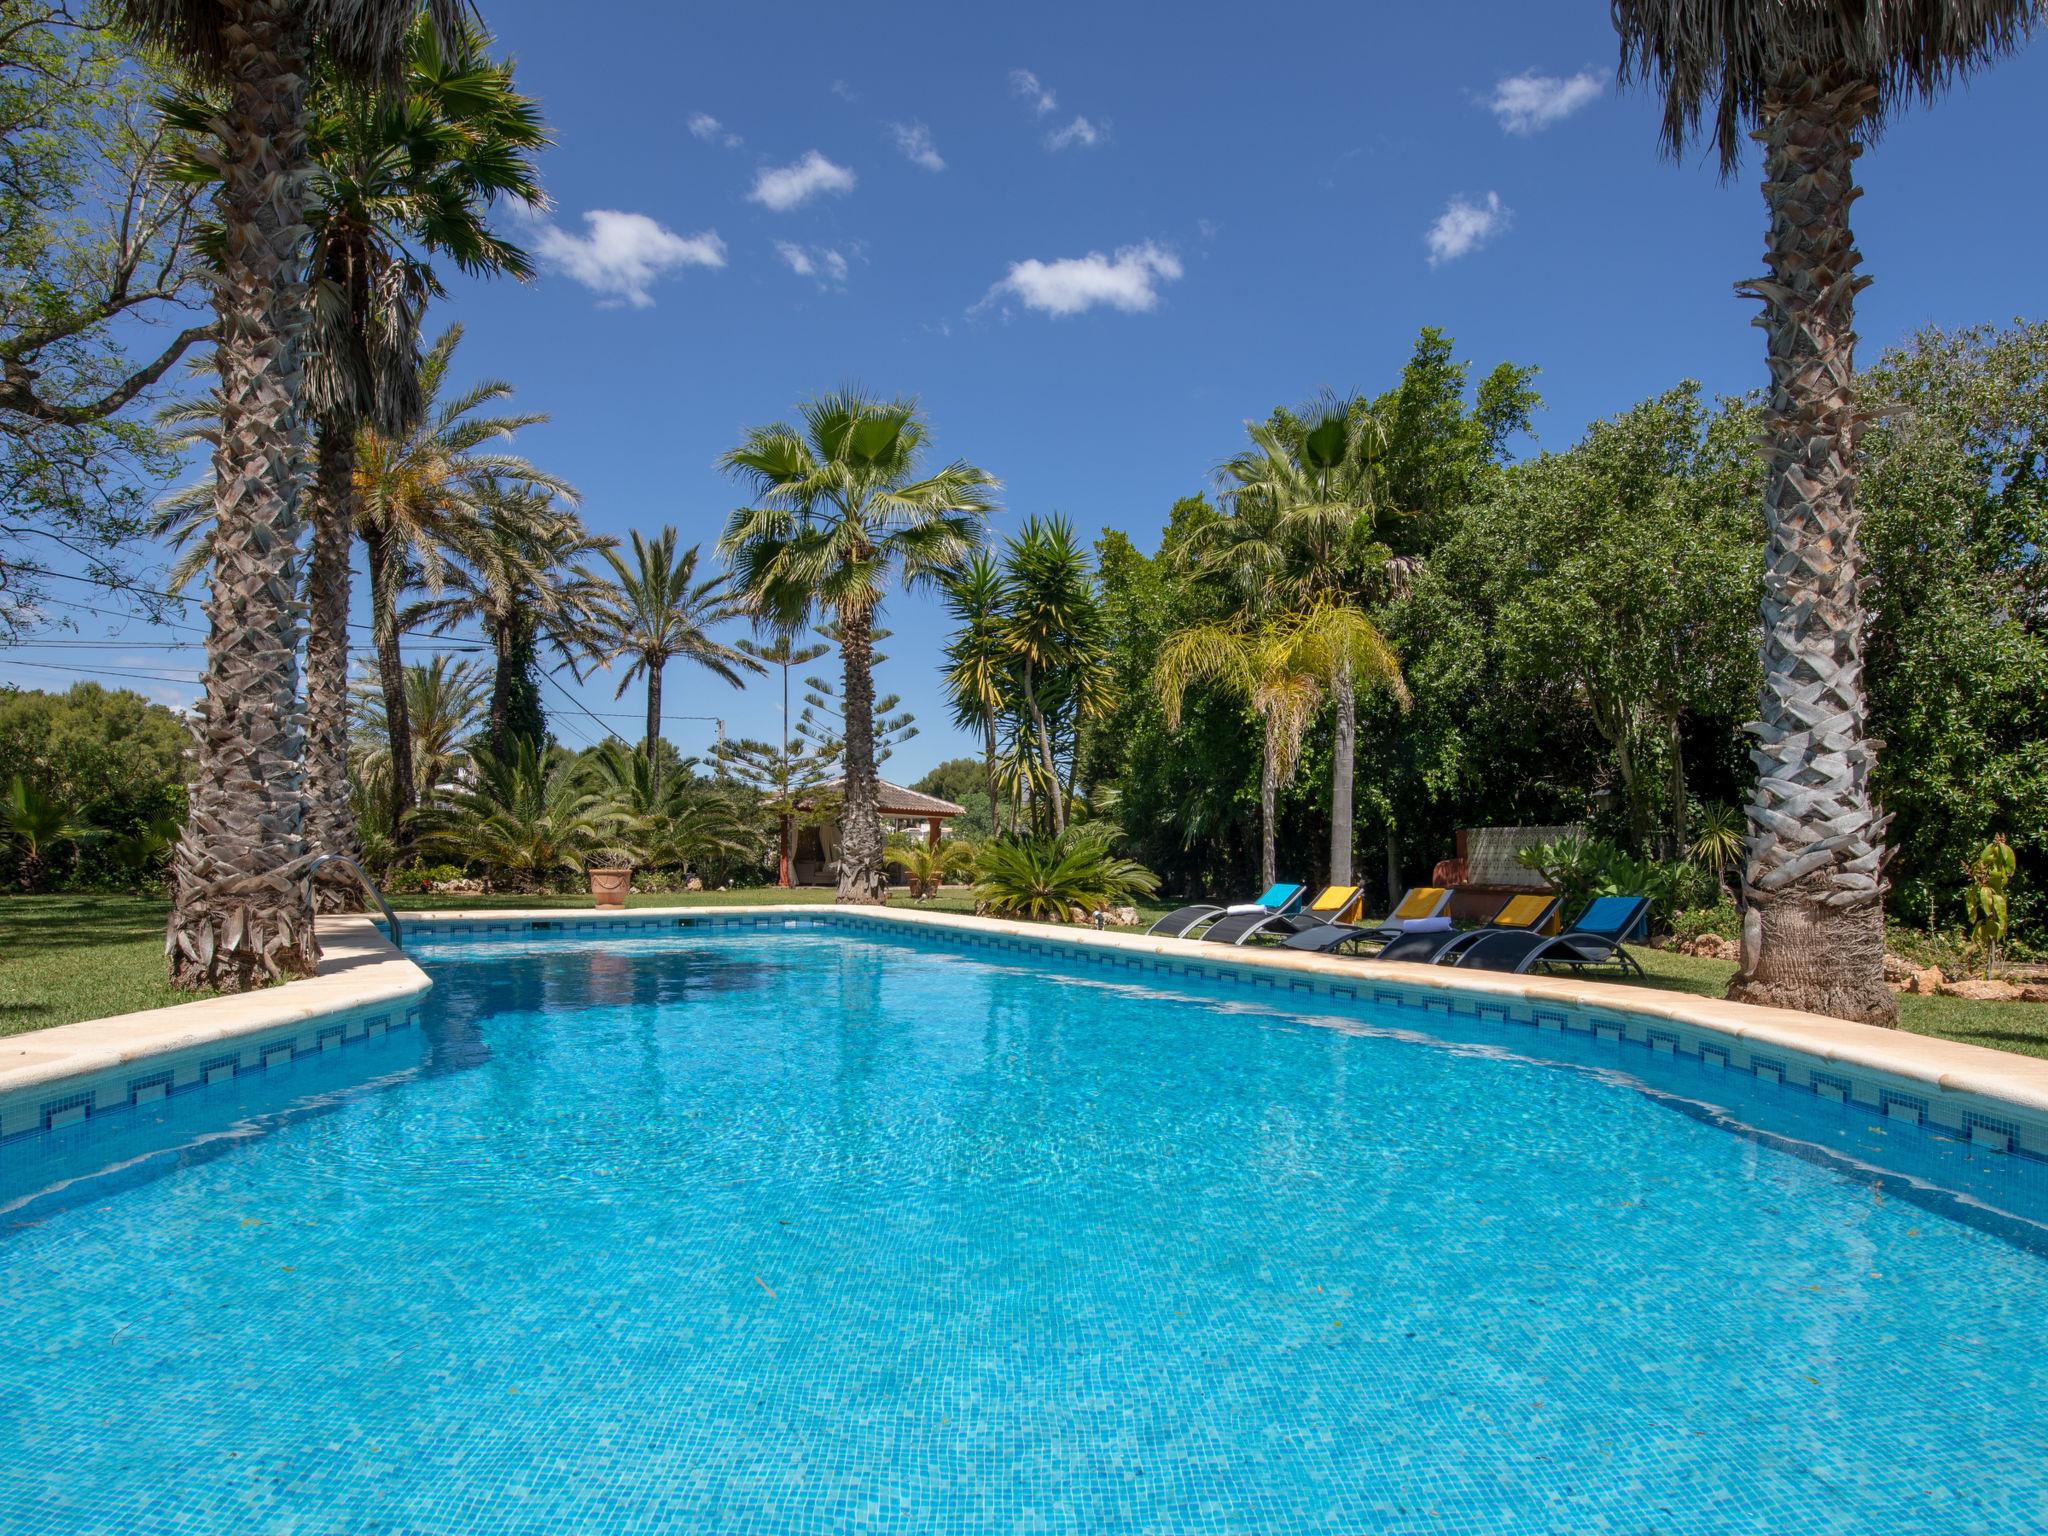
[(548, 678), (115, 672)]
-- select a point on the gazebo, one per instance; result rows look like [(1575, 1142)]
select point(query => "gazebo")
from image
[(815, 854)]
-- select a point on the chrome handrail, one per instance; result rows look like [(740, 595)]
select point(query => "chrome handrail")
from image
[(391, 917)]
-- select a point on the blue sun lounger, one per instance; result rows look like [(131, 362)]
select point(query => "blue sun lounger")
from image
[(1179, 923), (1596, 939)]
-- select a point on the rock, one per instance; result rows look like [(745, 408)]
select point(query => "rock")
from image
[(1979, 989), (1122, 917), (2034, 994), (694, 883), (1897, 968), (1710, 946), (456, 887), (1928, 982)]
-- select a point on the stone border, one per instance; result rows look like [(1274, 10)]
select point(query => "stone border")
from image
[(1948, 1065), (359, 968)]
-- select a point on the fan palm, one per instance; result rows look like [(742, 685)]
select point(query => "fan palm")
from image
[(517, 578), (1813, 81), (37, 825), (842, 505), (979, 664), (1280, 668), (927, 865), (1052, 623), (241, 910), (418, 495), (658, 610), (1304, 496)]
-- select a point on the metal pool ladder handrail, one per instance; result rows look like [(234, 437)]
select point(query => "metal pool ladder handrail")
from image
[(391, 917)]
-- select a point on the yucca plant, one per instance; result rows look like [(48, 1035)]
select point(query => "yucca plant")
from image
[(927, 866), (1064, 879)]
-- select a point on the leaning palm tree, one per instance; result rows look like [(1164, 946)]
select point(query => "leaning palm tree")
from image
[(419, 495), (1813, 81), (241, 908), (518, 577), (392, 173), (841, 506), (658, 610), (1281, 668)]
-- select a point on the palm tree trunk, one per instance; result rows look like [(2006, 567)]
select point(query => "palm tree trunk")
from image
[(385, 580), (860, 822), (1679, 793), (1269, 796), (1052, 775), (653, 720), (241, 912), (988, 760), (1343, 767), (1813, 931), (330, 823), (504, 643)]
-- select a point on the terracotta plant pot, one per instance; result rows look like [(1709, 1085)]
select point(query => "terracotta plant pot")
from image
[(610, 886)]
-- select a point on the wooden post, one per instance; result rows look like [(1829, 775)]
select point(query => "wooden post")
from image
[(934, 831), (782, 878)]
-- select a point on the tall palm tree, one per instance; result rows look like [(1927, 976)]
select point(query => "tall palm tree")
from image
[(445, 700), (1813, 81), (518, 577), (979, 662), (1280, 667), (419, 495), (658, 610), (842, 505), (1304, 497), (1052, 622), (393, 174), (241, 910)]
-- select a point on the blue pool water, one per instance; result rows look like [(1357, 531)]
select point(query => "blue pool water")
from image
[(806, 1233)]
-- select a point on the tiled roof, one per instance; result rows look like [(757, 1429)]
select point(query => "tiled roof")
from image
[(898, 801)]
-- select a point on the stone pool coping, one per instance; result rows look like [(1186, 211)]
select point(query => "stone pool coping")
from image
[(360, 969)]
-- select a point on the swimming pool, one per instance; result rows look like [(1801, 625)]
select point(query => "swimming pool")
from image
[(824, 1228)]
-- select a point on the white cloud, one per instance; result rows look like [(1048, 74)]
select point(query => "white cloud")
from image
[(915, 140), (708, 128), (1128, 281), (1080, 131), (623, 253), (827, 266), (1465, 225), (1027, 85), (784, 187), (1528, 103), (844, 91)]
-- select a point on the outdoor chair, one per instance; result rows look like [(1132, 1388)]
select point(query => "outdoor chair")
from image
[(1177, 924), (1596, 939), (1420, 911), (1333, 907), (1521, 914)]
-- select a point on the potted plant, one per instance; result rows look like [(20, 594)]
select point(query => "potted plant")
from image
[(611, 876)]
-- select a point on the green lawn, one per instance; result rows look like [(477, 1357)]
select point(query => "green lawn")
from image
[(64, 958)]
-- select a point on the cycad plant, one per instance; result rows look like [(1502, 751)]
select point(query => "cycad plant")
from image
[(241, 908), (657, 609), (843, 505), (927, 865), (675, 821), (1062, 879), (1813, 81), (528, 817)]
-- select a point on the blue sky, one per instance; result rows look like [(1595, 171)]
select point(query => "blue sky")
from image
[(1094, 239)]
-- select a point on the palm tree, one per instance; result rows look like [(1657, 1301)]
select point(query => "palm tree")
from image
[(419, 168), (241, 910), (1280, 668), (517, 578), (657, 610), (1052, 623), (1813, 82), (675, 821), (36, 825), (445, 701), (979, 663), (841, 506), (418, 496), (1304, 496)]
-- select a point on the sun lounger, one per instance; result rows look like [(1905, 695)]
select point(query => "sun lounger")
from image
[(1522, 914), (1177, 924), (1333, 907), (1420, 911), (1596, 939)]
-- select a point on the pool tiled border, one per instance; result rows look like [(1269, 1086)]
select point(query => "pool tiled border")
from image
[(1992, 1099)]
